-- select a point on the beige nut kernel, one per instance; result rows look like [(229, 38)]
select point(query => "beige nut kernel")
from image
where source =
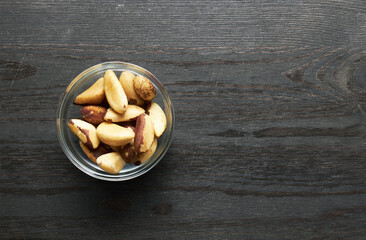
[(130, 126), (158, 117), (114, 135), (92, 95), (144, 133), (143, 157), (93, 154), (114, 92), (128, 153), (111, 162), (126, 80), (131, 113), (144, 88), (85, 131), (115, 148), (93, 114)]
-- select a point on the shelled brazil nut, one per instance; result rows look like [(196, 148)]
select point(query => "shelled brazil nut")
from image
[(120, 123)]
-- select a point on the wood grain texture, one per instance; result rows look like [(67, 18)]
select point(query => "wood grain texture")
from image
[(270, 136)]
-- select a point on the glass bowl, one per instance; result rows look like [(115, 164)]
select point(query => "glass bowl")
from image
[(67, 110)]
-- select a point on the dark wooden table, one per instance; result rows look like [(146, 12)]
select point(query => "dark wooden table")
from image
[(270, 136)]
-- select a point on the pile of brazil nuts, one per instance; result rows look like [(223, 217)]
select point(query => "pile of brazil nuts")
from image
[(120, 123)]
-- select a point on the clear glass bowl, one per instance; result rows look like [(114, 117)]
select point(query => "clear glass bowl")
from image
[(67, 110)]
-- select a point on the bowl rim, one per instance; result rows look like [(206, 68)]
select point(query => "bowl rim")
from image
[(76, 162)]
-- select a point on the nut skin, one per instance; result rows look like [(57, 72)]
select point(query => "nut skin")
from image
[(114, 92), (144, 88), (85, 131), (114, 135), (144, 136), (93, 114), (131, 113), (126, 80), (93, 95), (158, 117), (128, 153), (143, 157), (93, 154), (111, 162)]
